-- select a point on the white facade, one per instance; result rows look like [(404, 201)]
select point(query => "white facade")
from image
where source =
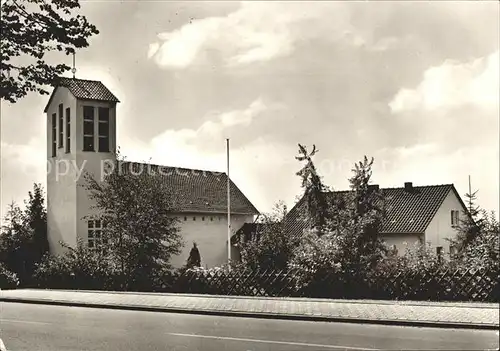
[(209, 231), (440, 229), (67, 198), (402, 241)]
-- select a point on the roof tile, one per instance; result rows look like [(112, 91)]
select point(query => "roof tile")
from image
[(199, 191), (407, 212), (85, 90)]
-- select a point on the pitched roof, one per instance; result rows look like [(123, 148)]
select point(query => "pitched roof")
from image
[(198, 190), (407, 211), (84, 89)]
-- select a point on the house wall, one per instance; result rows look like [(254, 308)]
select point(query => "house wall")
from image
[(210, 236), (402, 241), (440, 227), (61, 189)]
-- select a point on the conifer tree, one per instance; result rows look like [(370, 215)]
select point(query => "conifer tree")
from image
[(314, 190)]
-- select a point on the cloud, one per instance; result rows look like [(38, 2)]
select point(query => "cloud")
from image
[(204, 148), (432, 163), (453, 84), (213, 131), (259, 32)]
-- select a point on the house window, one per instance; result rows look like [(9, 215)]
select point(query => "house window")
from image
[(185, 219), (455, 218), (211, 219), (194, 218), (103, 129), (202, 218), (94, 235), (68, 131), (54, 134), (88, 128), (61, 126)]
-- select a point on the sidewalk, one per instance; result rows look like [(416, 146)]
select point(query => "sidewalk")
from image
[(422, 314)]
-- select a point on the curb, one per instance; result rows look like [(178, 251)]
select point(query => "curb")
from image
[(466, 304), (260, 315)]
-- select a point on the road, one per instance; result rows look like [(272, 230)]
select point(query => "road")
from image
[(54, 328)]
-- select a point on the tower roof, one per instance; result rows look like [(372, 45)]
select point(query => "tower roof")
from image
[(84, 90)]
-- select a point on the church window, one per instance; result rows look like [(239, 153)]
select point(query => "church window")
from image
[(54, 134), (88, 128), (61, 126), (103, 129), (68, 131), (94, 234)]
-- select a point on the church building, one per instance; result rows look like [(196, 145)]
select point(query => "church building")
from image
[(81, 136)]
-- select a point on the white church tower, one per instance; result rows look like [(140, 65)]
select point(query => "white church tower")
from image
[(81, 135)]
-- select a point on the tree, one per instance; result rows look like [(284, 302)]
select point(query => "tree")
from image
[(483, 250), (194, 259), (141, 231), (36, 221), (471, 224), (30, 30), (314, 190), (24, 236), (367, 212), (349, 244), (270, 247)]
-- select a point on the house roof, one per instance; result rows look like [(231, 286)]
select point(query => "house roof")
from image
[(198, 190), (407, 211), (84, 90)]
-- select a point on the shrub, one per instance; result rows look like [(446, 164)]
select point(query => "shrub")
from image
[(78, 268), (8, 279), (269, 246)]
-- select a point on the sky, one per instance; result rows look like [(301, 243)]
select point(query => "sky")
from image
[(413, 84)]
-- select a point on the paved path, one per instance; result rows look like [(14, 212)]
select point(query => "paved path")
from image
[(31, 327), (454, 315)]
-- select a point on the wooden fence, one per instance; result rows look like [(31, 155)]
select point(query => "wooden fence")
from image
[(440, 285)]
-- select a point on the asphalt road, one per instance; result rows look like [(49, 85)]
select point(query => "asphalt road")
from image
[(54, 328)]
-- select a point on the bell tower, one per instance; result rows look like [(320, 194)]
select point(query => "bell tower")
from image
[(81, 136)]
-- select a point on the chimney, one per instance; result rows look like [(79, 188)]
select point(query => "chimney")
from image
[(373, 187), (409, 186)]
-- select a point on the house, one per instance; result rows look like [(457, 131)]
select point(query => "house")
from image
[(415, 214), (81, 136)]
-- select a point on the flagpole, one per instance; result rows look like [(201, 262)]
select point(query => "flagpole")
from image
[(228, 207)]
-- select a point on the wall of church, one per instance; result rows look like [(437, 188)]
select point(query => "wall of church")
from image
[(68, 200), (93, 163), (61, 175), (209, 231)]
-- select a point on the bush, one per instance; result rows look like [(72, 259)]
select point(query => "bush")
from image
[(8, 279), (79, 268)]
